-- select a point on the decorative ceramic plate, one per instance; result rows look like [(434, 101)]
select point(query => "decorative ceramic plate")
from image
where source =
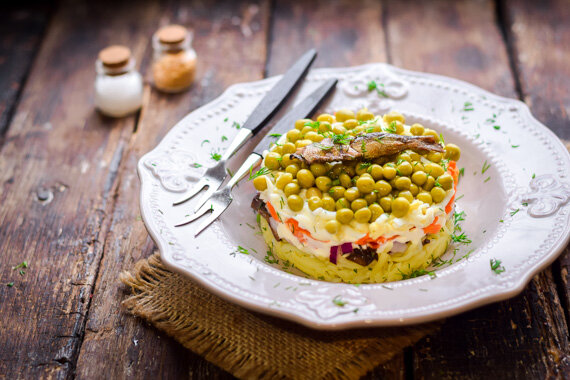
[(514, 193)]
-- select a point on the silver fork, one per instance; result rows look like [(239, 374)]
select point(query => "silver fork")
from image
[(221, 199), (266, 108)]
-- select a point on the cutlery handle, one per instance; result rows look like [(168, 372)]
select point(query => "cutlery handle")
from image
[(243, 135), (305, 108), (279, 93), (250, 162)]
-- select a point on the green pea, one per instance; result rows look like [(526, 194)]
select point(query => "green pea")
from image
[(295, 202), (344, 215), (351, 194), (404, 157), (313, 192), (431, 132), (323, 183), (405, 168), (293, 169), (375, 171), (350, 124), (430, 182), (386, 203), (424, 196), (325, 117), (406, 194), (314, 136), (434, 170), (349, 169), (306, 178), (314, 203), (365, 184), (389, 172), (260, 183), (419, 178), (417, 166), (393, 116), (452, 152), (300, 124), (371, 198), (400, 207), (398, 125), (383, 188), (338, 129), (403, 183), (337, 192), (434, 156), (376, 211), (328, 203), (336, 170), (272, 160), (332, 226), (283, 179), (414, 189), (293, 135), (344, 114), (341, 203), (288, 148), (446, 181), (362, 215), (414, 156), (361, 168), (276, 148), (417, 129), (358, 204), (325, 126), (364, 115), (291, 188), (286, 160), (345, 180), (307, 129), (437, 194)]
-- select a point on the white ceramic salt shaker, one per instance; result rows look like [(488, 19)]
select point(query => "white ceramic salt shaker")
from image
[(118, 85)]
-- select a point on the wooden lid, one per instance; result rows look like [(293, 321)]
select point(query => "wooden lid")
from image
[(115, 56), (172, 34)]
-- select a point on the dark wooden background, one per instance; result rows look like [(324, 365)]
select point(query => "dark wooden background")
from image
[(69, 190)]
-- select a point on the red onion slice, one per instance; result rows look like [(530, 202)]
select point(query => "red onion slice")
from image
[(334, 254), (346, 248)]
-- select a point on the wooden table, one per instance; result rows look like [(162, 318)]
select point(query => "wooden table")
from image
[(69, 190)]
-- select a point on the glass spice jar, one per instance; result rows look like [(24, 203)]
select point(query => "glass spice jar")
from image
[(174, 59), (118, 85)]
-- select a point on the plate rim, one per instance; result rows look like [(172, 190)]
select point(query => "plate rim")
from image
[(503, 293)]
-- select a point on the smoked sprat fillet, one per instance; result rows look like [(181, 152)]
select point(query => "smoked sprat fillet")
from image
[(367, 146)]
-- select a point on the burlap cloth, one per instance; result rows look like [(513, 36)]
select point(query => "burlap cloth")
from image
[(251, 345)]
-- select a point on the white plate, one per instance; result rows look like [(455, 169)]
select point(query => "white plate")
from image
[(528, 164)]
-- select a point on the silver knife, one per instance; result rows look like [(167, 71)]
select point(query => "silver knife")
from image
[(266, 108), (222, 198)]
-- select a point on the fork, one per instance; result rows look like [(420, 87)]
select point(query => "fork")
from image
[(222, 198), (266, 108)]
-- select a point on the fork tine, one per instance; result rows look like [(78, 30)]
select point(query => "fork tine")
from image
[(215, 214), (204, 209), (195, 190), (211, 190)]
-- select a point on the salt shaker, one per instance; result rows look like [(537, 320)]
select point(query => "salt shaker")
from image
[(174, 59), (118, 85)]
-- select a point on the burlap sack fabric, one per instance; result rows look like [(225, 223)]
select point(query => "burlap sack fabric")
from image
[(251, 345)]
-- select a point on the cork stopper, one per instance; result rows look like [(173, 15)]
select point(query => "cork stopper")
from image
[(115, 56), (172, 34)]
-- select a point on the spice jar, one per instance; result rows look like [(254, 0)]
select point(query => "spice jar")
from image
[(174, 59), (118, 85)]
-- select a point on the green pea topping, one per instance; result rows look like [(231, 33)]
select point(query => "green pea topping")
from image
[(424, 197), (260, 183), (389, 172), (365, 184), (345, 180), (446, 181), (323, 183), (376, 211), (314, 203), (358, 204), (452, 152), (283, 179), (351, 194), (295, 202), (405, 168), (313, 192), (386, 203), (291, 188), (419, 178), (383, 188), (272, 160), (342, 203), (332, 226), (328, 203), (337, 192), (362, 215), (306, 178), (344, 215), (403, 183), (400, 207), (437, 194)]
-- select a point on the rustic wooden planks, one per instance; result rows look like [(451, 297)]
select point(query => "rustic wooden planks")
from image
[(218, 27), (58, 172), (21, 30), (525, 337)]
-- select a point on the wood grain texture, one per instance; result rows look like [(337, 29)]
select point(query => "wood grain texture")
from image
[(238, 30), (522, 338), (58, 172), (454, 38), (343, 33), (540, 34), (21, 30)]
